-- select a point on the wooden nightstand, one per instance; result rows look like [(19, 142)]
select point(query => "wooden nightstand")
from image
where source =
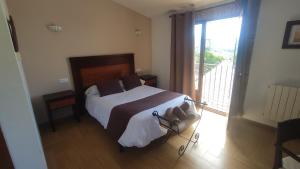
[(59, 100), (150, 80)]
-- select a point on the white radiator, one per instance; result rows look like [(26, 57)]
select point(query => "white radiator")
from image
[(283, 103)]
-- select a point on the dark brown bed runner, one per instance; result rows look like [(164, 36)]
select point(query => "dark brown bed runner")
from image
[(121, 114)]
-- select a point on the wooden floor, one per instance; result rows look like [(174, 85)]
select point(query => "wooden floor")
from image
[(86, 145)]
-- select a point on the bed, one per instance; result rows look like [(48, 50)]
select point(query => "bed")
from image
[(142, 128)]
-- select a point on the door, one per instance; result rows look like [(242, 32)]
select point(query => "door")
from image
[(215, 57)]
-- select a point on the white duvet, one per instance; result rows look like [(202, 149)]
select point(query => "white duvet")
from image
[(142, 128)]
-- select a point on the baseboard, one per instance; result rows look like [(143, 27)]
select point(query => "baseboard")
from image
[(215, 111), (58, 120), (255, 123)]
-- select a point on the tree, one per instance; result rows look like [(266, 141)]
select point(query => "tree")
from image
[(211, 60)]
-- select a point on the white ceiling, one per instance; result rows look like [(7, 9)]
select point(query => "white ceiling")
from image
[(152, 8)]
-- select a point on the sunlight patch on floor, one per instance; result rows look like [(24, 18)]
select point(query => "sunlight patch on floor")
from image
[(212, 130)]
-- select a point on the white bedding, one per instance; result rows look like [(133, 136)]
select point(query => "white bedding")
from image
[(290, 163), (142, 128)]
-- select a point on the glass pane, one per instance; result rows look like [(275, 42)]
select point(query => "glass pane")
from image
[(198, 33), (219, 63)]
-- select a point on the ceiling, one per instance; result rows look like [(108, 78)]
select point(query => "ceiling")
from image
[(152, 8)]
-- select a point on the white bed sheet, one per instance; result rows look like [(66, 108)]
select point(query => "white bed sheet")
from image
[(290, 163), (142, 128)]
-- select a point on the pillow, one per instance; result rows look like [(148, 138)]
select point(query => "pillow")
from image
[(107, 87), (93, 90), (143, 81), (131, 81)]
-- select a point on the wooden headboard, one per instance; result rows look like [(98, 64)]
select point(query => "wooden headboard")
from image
[(89, 70)]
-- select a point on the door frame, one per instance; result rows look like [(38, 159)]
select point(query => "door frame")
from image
[(201, 64), (199, 91)]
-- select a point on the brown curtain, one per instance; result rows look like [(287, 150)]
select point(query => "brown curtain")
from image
[(182, 54), (224, 11), (247, 36)]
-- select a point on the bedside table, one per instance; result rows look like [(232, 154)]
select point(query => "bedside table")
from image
[(59, 100), (150, 80)]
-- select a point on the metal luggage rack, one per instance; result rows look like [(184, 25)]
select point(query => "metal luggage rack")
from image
[(173, 128)]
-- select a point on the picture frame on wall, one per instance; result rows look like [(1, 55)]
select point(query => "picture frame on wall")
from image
[(291, 38)]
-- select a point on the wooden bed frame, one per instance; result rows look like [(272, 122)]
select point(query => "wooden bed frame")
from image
[(89, 70)]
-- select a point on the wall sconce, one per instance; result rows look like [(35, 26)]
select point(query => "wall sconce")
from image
[(54, 28), (138, 32)]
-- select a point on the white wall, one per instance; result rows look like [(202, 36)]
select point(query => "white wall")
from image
[(270, 64), (161, 47), (16, 116), (90, 27)]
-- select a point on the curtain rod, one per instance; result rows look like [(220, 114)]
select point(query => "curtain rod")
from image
[(204, 9)]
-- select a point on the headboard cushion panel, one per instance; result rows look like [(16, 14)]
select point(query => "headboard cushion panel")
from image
[(89, 70), (93, 75)]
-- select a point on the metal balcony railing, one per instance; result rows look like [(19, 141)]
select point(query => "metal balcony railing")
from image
[(217, 84)]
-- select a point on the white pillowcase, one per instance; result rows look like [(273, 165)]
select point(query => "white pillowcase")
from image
[(93, 90)]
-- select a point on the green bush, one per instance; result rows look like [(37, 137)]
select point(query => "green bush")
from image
[(211, 60)]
